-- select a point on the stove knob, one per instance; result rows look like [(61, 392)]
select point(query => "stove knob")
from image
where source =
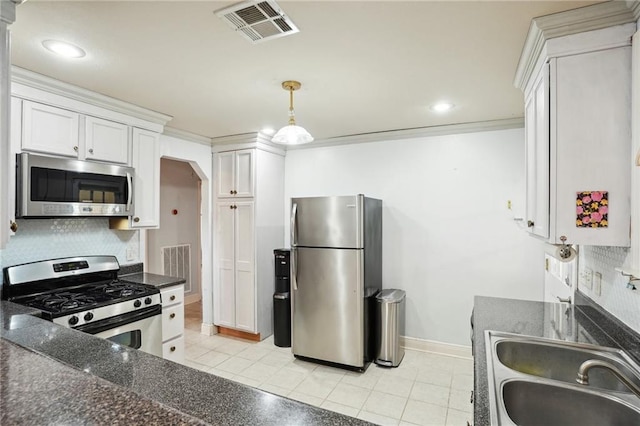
[(73, 320), (147, 301), (88, 316), (137, 303)]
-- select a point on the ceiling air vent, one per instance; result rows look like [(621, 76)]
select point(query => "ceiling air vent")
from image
[(258, 21)]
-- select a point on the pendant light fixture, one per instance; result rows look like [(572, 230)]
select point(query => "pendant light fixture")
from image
[(291, 134)]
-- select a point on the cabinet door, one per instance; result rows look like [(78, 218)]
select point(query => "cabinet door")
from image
[(244, 266), (106, 141), (226, 301), (146, 188), (244, 171), (537, 155), (49, 129), (235, 173), (226, 162)]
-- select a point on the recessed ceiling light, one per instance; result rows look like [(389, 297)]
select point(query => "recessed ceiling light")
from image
[(62, 48), (267, 131), (442, 107)]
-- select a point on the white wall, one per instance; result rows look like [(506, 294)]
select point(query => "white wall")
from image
[(198, 155), (447, 232)]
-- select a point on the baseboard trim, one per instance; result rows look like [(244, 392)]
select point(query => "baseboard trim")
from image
[(422, 345), (208, 329), (237, 333)]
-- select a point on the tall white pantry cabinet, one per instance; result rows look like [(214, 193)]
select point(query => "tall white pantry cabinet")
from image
[(248, 226)]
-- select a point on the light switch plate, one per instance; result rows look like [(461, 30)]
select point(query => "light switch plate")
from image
[(597, 284), (131, 255)]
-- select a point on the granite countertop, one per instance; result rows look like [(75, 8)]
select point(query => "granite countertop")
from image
[(584, 322), (88, 380), (155, 280)]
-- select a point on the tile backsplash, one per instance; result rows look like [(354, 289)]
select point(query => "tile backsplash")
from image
[(614, 295), (39, 239)]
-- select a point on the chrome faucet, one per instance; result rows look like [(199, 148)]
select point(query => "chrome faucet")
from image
[(583, 374)]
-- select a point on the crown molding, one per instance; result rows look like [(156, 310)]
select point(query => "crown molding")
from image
[(589, 18), (246, 141), (57, 87), (8, 11), (182, 134), (419, 132)]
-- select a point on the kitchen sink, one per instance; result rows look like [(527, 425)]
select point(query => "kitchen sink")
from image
[(560, 361), (532, 381), (535, 403)]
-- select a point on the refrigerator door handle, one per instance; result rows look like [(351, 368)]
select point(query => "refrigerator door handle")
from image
[(294, 218), (294, 269)]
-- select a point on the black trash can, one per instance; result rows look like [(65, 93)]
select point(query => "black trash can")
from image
[(281, 299), (282, 320)]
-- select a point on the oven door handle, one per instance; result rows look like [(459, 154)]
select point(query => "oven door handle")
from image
[(119, 320), (129, 191)]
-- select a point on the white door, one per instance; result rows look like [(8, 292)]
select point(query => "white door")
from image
[(226, 166), (244, 266), (244, 170), (146, 188), (225, 248), (537, 152), (49, 129), (106, 141)]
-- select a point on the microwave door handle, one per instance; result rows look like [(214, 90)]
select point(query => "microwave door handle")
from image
[(129, 187)]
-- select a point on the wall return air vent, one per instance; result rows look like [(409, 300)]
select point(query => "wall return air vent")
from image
[(258, 21)]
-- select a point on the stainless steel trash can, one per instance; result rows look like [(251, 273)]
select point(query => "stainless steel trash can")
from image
[(390, 312)]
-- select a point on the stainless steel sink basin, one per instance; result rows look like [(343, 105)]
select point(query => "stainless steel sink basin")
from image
[(560, 361), (532, 381), (535, 403)]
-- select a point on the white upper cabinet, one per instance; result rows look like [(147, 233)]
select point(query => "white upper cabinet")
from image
[(106, 141), (578, 138), (56, 131), (50, 130), (146, 187), (235, 173)]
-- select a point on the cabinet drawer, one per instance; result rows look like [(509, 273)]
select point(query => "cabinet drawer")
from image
[(172, 321), (172, 295), (173, 350)]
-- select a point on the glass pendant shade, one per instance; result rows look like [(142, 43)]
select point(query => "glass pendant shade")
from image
[(291, 134)]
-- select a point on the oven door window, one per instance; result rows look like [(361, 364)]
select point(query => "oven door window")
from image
[(77, 187), (132, 339)]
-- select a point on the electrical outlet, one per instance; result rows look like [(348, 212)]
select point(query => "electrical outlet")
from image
[(586, 278), (131, 254), (597, 284)]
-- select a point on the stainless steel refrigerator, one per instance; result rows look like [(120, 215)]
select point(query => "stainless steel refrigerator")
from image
[(336, 270)]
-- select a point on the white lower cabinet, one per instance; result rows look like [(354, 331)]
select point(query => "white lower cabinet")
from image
[(173, 323)]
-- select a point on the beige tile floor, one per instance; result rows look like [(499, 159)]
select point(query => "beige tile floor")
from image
[(426, 389)]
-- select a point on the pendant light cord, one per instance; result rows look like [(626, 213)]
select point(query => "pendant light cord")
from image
[(292, 118)]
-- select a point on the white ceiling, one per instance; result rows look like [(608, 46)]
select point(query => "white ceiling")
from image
[(365, 66)]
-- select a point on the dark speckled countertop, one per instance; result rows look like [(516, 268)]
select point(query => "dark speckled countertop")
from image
[(585, 322), (56, 375), (155, 280)]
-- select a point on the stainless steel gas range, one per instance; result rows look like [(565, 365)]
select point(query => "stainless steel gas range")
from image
[(85, 293)]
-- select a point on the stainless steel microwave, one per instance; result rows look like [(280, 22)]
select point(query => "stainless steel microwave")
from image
[(52, 187)]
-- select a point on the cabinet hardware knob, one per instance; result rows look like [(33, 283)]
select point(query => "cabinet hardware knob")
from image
[(235, 192), (90, 150), (136, 219), (172, 349), (231, 207), (172, 316), (530, 223), (173, 297), (75, 148), (13, 226)]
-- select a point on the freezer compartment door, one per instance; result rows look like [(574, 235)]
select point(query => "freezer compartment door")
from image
[(327, 221), (327, 305)]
